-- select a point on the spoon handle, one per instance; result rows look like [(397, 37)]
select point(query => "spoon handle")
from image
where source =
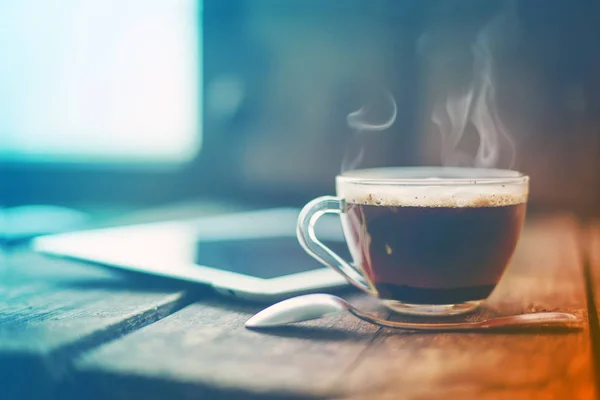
[(545, 319)]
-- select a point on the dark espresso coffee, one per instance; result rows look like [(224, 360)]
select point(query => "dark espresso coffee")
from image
[(437, 253)]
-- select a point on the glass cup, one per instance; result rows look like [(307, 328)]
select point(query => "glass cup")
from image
[(425, 240)]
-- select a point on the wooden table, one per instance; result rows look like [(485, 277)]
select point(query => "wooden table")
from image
[(72, 331)]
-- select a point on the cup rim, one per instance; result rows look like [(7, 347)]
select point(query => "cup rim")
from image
[(433, 176)]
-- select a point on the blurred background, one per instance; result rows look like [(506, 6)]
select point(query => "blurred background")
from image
[(110, 105)]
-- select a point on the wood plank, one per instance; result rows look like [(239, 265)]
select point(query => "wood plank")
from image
[(51, 310), (593, 234), (204, 349), (593, 265), (545, 274)]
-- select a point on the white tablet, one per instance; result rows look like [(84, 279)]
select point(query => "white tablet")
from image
[(254, 255)]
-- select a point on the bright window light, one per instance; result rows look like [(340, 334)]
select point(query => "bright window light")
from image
[(100, 80)]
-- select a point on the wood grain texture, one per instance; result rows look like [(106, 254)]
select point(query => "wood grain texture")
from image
[(593, 248), (51, 310), (592, 234), (203, 350), (545, 274)]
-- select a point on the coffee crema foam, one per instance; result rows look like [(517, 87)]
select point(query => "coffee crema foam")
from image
[(495, 196)]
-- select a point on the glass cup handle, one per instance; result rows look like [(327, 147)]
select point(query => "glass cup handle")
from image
[(307, 238)]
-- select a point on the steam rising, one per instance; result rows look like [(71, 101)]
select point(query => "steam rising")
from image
[(366, 117), (477, 103), (473, 106), (376, 115)]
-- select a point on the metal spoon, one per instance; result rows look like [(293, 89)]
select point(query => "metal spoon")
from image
[(314, 306)]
